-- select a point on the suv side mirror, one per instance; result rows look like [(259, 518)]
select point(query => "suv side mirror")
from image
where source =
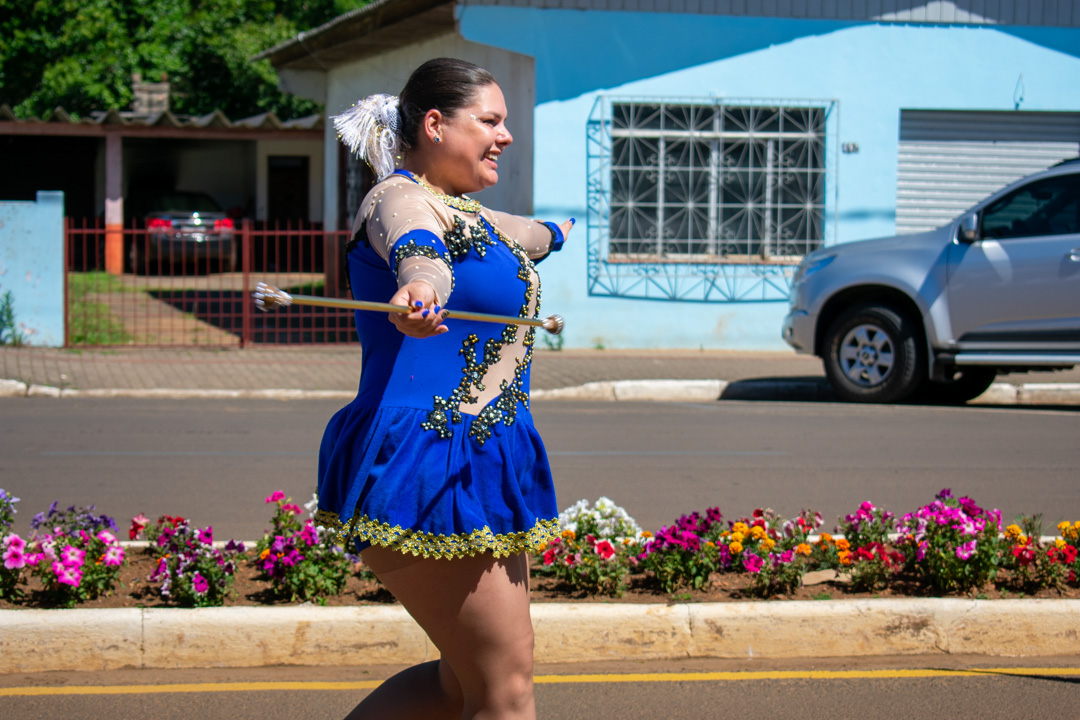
[(969, 227)]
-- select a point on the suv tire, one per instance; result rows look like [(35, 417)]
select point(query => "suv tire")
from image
[(872, 355)]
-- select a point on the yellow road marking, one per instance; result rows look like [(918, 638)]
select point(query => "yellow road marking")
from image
[(546, 680)]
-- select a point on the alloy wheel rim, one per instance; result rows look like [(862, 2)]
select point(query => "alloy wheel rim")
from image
[(867, 355)]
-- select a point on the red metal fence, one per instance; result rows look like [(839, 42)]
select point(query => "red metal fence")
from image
[(196, 290)]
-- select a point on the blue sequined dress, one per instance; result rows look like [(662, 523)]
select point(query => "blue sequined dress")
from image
[(437, 455)]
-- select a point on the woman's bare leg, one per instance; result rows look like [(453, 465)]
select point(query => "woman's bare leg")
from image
[(476, 611)]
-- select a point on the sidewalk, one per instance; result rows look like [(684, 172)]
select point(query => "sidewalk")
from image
[(335, 371)]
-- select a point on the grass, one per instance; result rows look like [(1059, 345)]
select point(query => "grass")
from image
[(89, 322)]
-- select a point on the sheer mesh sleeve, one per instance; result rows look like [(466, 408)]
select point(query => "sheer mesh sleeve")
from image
[(538, 239), (405, 227)]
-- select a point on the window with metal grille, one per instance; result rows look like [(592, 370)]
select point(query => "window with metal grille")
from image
[(697, 183)]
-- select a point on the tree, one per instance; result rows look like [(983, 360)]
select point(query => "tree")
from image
[(81, 54)]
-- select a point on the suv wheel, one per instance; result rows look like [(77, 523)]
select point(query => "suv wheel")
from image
[(872, 355), (967, 383)]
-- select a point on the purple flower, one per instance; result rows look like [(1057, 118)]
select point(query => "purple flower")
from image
[(234, 546), (205, 536), (966, 550), (199, 584), (752, 563)]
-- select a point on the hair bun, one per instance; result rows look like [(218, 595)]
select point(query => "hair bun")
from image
[(371, 130)]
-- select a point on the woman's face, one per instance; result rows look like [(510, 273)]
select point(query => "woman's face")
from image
[(471, 143)]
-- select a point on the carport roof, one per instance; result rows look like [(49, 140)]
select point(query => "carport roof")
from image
[(214, 125)]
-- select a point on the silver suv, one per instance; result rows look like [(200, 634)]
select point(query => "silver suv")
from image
[(935, 316)]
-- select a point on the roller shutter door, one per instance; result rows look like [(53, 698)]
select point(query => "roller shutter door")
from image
[(951, 160)]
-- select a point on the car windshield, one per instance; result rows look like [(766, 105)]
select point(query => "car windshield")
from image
[(185, 202)]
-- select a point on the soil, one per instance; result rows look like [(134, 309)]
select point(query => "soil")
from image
[(250, 589)]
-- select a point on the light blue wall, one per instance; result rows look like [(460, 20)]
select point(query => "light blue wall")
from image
[(873, 71), (32, 266)]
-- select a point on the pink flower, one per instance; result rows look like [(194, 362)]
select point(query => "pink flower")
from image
[(67, 575), (106, 537), (752, 563), (72, 556), (114, 556), (199, 584), (14, 558), (604, 549), (15, 541), (309, 534), (966, 550), (275, 496), (205, 536), (294, 509)]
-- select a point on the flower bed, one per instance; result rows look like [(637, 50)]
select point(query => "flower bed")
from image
[(951, 546)]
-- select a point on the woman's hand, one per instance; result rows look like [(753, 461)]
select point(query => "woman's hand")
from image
[(426, 318), (566, 227)]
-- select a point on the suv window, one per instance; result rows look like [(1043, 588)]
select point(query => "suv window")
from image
[(1046, 207)]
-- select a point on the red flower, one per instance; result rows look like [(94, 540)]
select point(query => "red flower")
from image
[(549, 556), (138, 524), (604, 549)]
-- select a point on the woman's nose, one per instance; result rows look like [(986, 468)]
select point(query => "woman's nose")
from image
[(504, 138)]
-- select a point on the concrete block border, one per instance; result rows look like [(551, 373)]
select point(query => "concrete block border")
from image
[(82, 639)]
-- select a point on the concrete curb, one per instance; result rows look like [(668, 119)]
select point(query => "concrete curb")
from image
[(777, 389), (80, 639)]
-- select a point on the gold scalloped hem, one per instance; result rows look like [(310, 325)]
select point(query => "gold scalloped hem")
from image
[(431, 545)]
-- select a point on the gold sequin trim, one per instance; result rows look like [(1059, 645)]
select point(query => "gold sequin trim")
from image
[(431, 545)]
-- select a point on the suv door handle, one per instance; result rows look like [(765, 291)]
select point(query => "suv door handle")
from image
[(1074, 254)]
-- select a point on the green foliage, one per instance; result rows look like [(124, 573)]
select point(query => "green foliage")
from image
[(91, 322), (81, 54), (9, 332)]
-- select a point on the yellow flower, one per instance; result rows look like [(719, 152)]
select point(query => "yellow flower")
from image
[(568, 534), (1022, 539), (646, 534), (769, 543), (1064, 526), (1012, 531), (740, 527), (1060, 543), (843, 544), (710, 543), (757, 532), (803, 549), (735, 548), (737, 537)]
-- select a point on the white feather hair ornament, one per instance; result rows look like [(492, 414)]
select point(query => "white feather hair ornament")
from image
[(370, 130)]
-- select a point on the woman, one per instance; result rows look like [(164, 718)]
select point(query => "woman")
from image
[(435, 470)]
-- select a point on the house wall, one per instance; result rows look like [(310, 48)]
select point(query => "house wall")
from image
[(388, 72), (313, 150), (872, 71), (32, 266)]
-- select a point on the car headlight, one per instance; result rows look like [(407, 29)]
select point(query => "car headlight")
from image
[(811, 265)]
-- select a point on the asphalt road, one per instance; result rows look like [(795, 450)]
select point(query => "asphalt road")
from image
[(216, 461), (694, 689)]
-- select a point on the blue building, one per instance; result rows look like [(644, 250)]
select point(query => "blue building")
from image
[(708, 145)]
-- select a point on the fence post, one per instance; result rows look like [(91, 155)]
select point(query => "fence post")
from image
[(246, 320)]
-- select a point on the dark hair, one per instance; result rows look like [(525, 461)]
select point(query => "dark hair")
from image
[(443, 84)]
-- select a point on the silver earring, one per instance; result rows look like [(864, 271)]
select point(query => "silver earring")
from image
[(438, 139)]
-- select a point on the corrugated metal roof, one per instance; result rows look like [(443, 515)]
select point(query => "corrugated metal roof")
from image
[(216, 120)]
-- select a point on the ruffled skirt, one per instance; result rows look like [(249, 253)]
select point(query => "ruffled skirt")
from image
[(384, 480)]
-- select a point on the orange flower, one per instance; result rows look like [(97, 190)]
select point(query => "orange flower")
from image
[(803, 549), (263, 555), (826, 538), (646, 534), (845, 557), (568, 534), (710, 543), (843, 544), (735, 548)]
